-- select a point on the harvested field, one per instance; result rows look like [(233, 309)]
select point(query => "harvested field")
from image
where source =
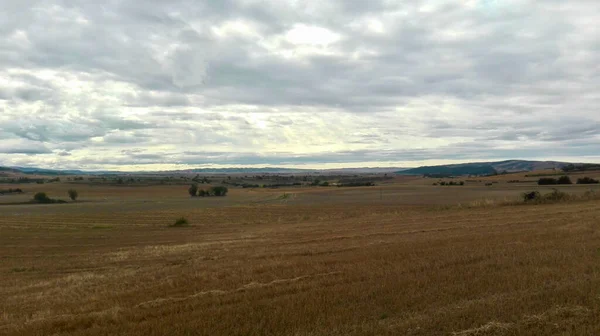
[(330, 261)]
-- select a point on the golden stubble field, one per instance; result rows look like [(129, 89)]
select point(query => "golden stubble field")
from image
[(358, 261)]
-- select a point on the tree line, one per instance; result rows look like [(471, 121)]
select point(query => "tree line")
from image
[(214, 191)]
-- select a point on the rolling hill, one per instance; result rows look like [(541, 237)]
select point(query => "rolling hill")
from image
[(484, 168)]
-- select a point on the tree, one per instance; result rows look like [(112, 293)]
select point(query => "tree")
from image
[(42, 197), (564, 180), (587, 180), (193, 190), (219, 191), (547, 181), (73, 194)]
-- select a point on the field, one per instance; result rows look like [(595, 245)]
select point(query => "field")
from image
[(401, 258)]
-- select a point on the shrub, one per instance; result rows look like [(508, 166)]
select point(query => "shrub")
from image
[(42, 197), (73, 194), (564, 180), (357, 184), (557, 196), (181, 221), (219, 191), (587, 180), (193, 190), (547, 181), (11, 191), (531, 196)]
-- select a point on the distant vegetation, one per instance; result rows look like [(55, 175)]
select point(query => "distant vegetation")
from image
[(181, 221), (22, 180), (556, 196), (587, 180), (581, 167), (553, 181), (11, 191), (219, 191), (193, 190), (73, 194), (357, 184), (451, 183), (43, 198)]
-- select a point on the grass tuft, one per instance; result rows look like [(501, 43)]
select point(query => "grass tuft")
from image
[(181, 221)]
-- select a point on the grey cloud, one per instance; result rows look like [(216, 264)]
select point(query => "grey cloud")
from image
[(106, 77), (23, 147)]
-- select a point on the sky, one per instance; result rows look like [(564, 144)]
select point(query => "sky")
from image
[(148, 85)]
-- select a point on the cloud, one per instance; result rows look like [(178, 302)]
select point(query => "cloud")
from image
[(22, 147), (297, 82)]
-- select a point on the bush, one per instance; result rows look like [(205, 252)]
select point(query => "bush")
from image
[(547, 181), (553, 197), (451, 183), (531, 196), (11, 191), (181, 221), (564, 180), (73, 194), (42, 197), (357, 184), (587, 180), (219, 191), (557, 196), (193, 190)]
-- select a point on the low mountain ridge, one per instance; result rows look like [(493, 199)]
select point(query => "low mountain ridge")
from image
[(242, 170), (484, 168)]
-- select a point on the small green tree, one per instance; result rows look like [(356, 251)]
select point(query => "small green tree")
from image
[(193, 190), (564, 180), (42, 197), (219, 191), (73, 194)]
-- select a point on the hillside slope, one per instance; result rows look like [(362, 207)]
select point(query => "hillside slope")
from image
[(484, 168)]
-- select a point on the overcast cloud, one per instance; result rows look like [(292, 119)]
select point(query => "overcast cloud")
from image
[(170, 84)]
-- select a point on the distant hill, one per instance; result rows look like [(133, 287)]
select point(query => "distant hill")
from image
[(265, 170), (484, 168), (9, 170)]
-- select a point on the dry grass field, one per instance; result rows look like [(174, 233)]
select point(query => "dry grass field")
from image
[(400, 259)]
